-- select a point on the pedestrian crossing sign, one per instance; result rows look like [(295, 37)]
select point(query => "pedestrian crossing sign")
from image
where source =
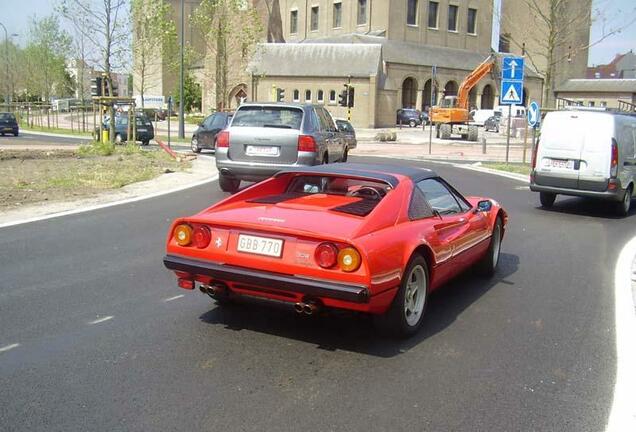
[(511, 93)]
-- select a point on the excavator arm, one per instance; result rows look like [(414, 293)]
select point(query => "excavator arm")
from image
[(473, 78)]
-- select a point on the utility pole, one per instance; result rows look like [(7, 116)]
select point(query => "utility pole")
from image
[(6, 54), (181, 98)]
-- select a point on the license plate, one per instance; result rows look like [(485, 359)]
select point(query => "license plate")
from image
[(559, 163), (8, 129), (262, 150), (260, 245), (142, 130)]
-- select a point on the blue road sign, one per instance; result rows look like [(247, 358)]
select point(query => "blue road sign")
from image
[(534, 114), (511, 93), (512, 68)]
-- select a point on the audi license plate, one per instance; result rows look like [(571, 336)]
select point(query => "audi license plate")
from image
[(260, 245), (252, 150), (560, 163)]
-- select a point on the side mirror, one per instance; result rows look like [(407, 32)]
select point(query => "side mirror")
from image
[(483, 206)]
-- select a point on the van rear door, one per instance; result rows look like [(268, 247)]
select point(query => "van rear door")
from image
[(596, 153), (560, 145)]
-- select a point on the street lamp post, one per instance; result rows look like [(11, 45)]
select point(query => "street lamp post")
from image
[(181, 95), (6, 53)]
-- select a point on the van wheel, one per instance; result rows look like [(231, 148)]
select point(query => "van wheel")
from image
[(624, 206), (547, 199), (412, 123), (228, 184)]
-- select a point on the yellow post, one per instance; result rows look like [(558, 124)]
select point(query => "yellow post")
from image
[(105, 137)]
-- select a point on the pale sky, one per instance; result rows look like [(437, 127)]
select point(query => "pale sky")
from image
[(610, 14)]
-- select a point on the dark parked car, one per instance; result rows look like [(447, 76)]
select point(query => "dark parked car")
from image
[(348, 133), (408, 116), (492, 123), (145, 130), (205, 135), (8, 124)]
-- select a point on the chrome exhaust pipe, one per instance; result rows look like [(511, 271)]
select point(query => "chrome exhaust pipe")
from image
[(310, 308), (299, 307), (215, 290)]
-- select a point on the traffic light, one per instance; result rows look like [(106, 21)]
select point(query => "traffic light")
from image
[(351, 94), (96, 86), (343, 97), (280, 95)]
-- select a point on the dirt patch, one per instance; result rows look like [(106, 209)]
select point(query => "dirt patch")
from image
[(34, 176)]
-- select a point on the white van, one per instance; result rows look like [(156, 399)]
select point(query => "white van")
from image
[(480, 116), (515, 110), (586, 153)]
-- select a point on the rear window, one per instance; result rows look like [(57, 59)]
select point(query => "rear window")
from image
[(7, 116), (311, 184), (344, 126), (268, 116)]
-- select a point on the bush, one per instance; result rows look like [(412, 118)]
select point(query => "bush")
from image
[(96, 148)]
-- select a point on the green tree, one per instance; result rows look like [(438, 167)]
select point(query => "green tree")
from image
[(154, 38), (230, 30), (45, 57), (191, 94)]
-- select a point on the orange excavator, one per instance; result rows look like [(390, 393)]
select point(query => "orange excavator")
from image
[(452, 114)]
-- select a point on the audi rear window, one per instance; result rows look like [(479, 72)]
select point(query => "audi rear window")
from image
[(268, 116)]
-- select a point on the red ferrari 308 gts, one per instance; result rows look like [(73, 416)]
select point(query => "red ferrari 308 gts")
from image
[(368, 238)]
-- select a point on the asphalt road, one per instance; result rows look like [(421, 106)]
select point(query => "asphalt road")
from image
[(531, 349), (29, 139)]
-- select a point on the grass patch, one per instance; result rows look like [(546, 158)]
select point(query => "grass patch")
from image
[(511, 167), (25, 128), (34, 176)]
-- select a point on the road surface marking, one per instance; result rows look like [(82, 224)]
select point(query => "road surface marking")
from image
[(174, 298), (623, 412), (101, 320), (9, 347)]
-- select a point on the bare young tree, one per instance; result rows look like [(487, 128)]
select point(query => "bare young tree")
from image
[(104, 24), (230, 30), (551, 37), (154, 39)]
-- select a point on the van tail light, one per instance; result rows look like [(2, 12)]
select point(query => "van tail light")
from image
[(614, 163), (534, 155), (306, 143), (223, 139)]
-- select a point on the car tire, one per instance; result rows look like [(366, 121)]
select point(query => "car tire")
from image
[(229, 184), (412, 123), (623, 207), (405, 315), (16, 134), (194, 145), (487, 266), (497, 129), (145, 143), (547, 199), (345, 155), (325, 158)]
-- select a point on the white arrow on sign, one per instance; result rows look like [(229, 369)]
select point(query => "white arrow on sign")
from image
[(512, 95), (533, 116), (513, 65)]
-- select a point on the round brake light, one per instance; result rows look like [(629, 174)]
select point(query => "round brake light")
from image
[(183, 234), (201, 236), (349, 259), (326, 255)]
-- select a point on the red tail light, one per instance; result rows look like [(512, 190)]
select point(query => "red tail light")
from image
[(534, 155), (326, 255), (201, 237), (306, 143), (614, 163), (223, 139)]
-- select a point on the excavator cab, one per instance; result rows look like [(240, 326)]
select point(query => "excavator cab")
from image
[(448, 102)]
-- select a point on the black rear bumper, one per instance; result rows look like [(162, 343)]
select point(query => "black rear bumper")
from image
[(228, 273)]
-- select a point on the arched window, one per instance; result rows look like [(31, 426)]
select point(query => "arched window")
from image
[(296, 96), (307, 95), (321, 96), (332, 96)]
